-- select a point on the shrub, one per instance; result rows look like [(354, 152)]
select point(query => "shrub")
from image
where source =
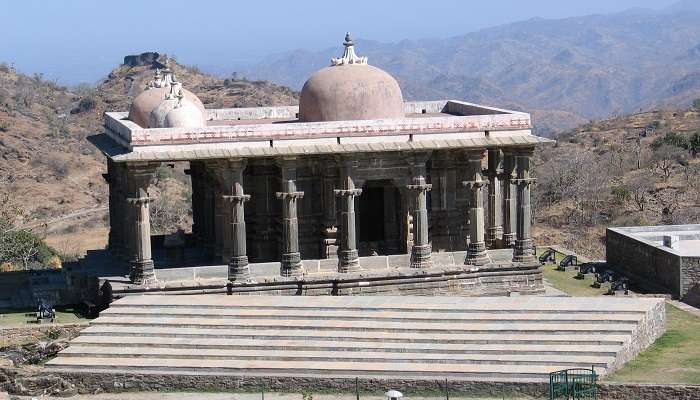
[(620, 194), (85, 104), (54, 262), (672, 139), (695, 143), (5, 126), (9, 267)]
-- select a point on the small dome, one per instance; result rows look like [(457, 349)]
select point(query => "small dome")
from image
[(185, 115), (155, 92), (175, 110), (350, 90)]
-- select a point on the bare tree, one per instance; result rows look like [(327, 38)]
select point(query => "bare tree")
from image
[(169, 211), (664, 159), (640, 188)]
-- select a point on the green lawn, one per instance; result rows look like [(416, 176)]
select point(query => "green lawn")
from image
[(565, 281), (674, 358), (27, 317)]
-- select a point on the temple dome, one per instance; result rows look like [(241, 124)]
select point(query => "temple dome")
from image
[(176, 111), (350, 89), (155, 92)]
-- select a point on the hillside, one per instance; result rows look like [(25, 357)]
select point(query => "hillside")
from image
[(566, 72), (639, 169), (45, 160)]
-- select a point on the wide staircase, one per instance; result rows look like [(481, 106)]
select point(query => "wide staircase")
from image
[(515, 339)]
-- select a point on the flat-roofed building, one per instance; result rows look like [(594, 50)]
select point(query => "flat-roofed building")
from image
[(662, 259)]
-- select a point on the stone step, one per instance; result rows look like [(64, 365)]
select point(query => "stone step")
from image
[(551, 338), (341, 346), (303, 368), (362, 325), (388, 316), (332, 356), (596, 305)]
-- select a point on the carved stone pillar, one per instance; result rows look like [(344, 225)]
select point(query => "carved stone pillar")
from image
[(291, 258), (509, 204), (476, 250), (195, 173), (495, 231), (329, 226), (116, 218), (524, 250), (422, 248), (139, 176), (208, 206), (348, 258), (230, 174)]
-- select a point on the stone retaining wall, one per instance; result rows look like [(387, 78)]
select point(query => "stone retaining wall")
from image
[(647, 391), (88, 383)]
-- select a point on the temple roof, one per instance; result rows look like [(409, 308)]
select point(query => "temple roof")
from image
[(118, 153)]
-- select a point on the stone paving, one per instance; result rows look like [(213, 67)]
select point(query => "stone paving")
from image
[(386, 337)]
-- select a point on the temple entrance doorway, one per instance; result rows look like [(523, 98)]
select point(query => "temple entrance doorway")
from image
[(378, 218)]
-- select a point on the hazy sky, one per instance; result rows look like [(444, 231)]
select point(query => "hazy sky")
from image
[(82, 40)]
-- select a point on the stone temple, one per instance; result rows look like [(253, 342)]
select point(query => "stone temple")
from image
[(354, 171), (354, 192)]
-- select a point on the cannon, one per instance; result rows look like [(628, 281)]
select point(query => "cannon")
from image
[(44, 312), (606, 276), (548, 256), (585, 268), (568, 261), (622, 283)]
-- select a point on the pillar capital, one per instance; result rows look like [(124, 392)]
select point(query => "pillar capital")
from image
[(347, 192), (289, 195), (421, 187)]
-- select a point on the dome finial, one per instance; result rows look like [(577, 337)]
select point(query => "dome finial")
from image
[(349, 56)]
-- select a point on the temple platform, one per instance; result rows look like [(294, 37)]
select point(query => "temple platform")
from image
[(378, 275), (224, 342)]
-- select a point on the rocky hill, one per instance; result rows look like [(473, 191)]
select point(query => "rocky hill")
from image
[(45, 160), (566, 72), (638, 169)]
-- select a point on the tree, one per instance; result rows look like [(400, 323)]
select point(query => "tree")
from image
[(170, 207), (664, 159), (672, 139), (695, 144), (639, 189), (18, 245)]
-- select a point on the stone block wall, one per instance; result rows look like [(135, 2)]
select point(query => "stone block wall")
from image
[(649, 267), (690, 280), (650, 328)]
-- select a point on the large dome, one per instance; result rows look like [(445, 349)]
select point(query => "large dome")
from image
[(350, 90), (155, 92)]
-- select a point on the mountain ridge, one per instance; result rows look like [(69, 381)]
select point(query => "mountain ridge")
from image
[(588, 67)]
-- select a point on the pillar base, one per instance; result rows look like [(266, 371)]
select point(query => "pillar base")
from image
[(291, 265), (494, 236), (509, 240), (524, 251), (348, 261), (238, 270), (142, 272), (421, 256), (476, 254)]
